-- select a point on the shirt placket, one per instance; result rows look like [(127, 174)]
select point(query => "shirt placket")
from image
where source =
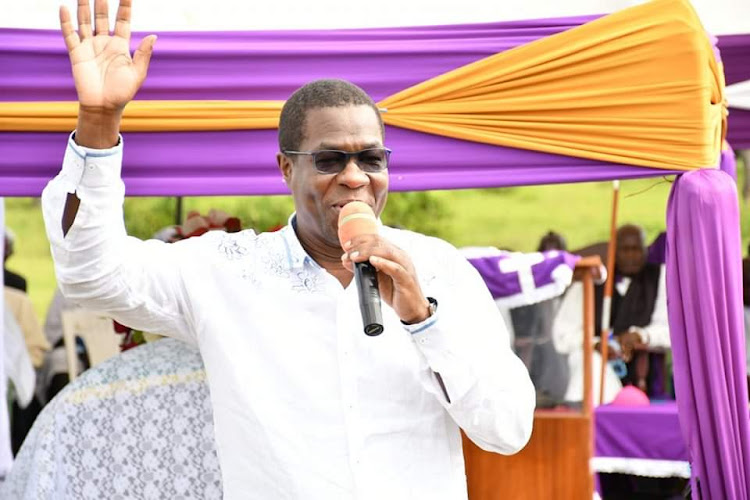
[(348, 374)]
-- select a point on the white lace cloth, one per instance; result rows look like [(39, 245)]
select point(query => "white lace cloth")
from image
[(137, 426), (641, 467)]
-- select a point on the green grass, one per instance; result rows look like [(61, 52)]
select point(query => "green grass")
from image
[(514, 218)]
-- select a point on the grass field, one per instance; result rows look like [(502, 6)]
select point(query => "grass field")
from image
[(512, 218)]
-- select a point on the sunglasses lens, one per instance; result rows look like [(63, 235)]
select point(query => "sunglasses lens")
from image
[(330, 162), (373, 160)]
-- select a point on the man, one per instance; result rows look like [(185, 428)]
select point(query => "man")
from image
[(638, 319), (639, 302), (305, 405), (11, 279)]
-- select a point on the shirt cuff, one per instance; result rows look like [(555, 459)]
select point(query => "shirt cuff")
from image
[(90, 167)]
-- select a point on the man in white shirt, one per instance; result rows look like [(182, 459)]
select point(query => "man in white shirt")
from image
[(305, 405)]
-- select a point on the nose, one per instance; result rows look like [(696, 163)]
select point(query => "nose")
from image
[(352, 176)]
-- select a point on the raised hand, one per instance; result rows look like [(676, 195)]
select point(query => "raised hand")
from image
[(106, 76)]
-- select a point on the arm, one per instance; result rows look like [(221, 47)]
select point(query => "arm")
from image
[(469, 366), (567, 327), (656, 333), (105, 76), (98, 266), (482, 384)]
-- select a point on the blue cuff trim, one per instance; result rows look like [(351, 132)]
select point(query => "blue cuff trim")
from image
[(84, 152), (424, 326)]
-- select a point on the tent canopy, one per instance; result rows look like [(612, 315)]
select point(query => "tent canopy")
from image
[(269, 66)]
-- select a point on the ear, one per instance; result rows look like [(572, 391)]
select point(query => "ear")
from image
[(285, 166)]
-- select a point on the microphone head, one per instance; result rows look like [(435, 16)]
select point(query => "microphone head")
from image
[(356, 218)]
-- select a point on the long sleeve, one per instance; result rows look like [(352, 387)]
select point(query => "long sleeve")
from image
[(567, 327), (485, 388), (98, 266), (656, 333)]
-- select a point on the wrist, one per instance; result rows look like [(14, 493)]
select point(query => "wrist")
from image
[(98, 128), (428, 309)]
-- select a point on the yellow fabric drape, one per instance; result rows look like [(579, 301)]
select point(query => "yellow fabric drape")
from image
[(640, 87), (146, 116)]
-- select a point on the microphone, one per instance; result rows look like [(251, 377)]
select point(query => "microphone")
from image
[(357, 218)]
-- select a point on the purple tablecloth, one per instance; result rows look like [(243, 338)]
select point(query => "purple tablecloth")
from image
[(643, 441), (651, 432)]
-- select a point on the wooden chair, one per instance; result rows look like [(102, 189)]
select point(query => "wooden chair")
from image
[(97, 332), (555, 463)]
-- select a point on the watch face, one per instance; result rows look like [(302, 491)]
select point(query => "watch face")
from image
[(433, 305)]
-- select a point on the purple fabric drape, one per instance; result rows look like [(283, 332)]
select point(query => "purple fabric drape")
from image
[(270, 65), (704, 286), (735, 54), (728, 163)]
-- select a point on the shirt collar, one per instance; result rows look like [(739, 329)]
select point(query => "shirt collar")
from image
[(296, 255)]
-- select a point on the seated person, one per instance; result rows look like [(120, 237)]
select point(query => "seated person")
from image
[(639, 305), (19, 304), (526, 287), (11, 279), (639, 313)]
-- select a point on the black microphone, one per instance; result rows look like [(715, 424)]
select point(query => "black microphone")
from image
[(366, 278), (358, 218)]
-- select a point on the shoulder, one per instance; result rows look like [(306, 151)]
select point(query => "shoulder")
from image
[(413, 242), (432, 257)]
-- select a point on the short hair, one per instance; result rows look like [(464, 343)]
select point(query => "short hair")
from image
[(329, 93), (552, 241), (632, 229)]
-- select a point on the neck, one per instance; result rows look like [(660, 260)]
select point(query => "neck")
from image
[(326, 255)]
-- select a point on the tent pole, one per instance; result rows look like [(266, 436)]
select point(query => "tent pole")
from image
[(178, 211), (607, 301)]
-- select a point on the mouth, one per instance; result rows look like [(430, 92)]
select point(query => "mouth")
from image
[(339, 205)]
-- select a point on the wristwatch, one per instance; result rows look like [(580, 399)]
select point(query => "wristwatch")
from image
[(433, 306)]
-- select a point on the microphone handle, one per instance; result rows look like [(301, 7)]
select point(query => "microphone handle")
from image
[(366, 278)]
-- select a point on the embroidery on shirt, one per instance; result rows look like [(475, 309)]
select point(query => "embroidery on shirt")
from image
[(231, 249), (306, 281)]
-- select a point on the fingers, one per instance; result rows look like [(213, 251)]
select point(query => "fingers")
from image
[(361, 248), (66, 26), (101, 17), (84, 19), (394, 270), (142, 55), (122, 22)]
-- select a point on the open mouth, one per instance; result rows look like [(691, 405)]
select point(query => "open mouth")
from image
[(338, 206)]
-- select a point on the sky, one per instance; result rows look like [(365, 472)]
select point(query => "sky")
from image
[(718, 16)]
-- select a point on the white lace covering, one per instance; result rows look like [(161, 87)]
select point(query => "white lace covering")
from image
[(137, 426), (641, 467)]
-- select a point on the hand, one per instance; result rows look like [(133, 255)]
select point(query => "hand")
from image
[(612, 352), (397, 278), (105, 76), (629, 342)]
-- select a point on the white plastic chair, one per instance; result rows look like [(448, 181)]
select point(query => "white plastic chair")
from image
[(97, 332)]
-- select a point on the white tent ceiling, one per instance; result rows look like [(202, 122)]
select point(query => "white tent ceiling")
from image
[(718, 16)]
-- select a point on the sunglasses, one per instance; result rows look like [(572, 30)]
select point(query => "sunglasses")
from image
[(332, 161)]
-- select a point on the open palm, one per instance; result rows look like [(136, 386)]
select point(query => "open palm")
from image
[(105, 75)]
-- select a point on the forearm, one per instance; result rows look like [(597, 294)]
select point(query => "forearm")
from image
[(87, 198), (485, 387), (97, 265), (489, 396)]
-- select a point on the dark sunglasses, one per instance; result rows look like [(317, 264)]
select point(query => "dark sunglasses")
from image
[(332, 161)]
